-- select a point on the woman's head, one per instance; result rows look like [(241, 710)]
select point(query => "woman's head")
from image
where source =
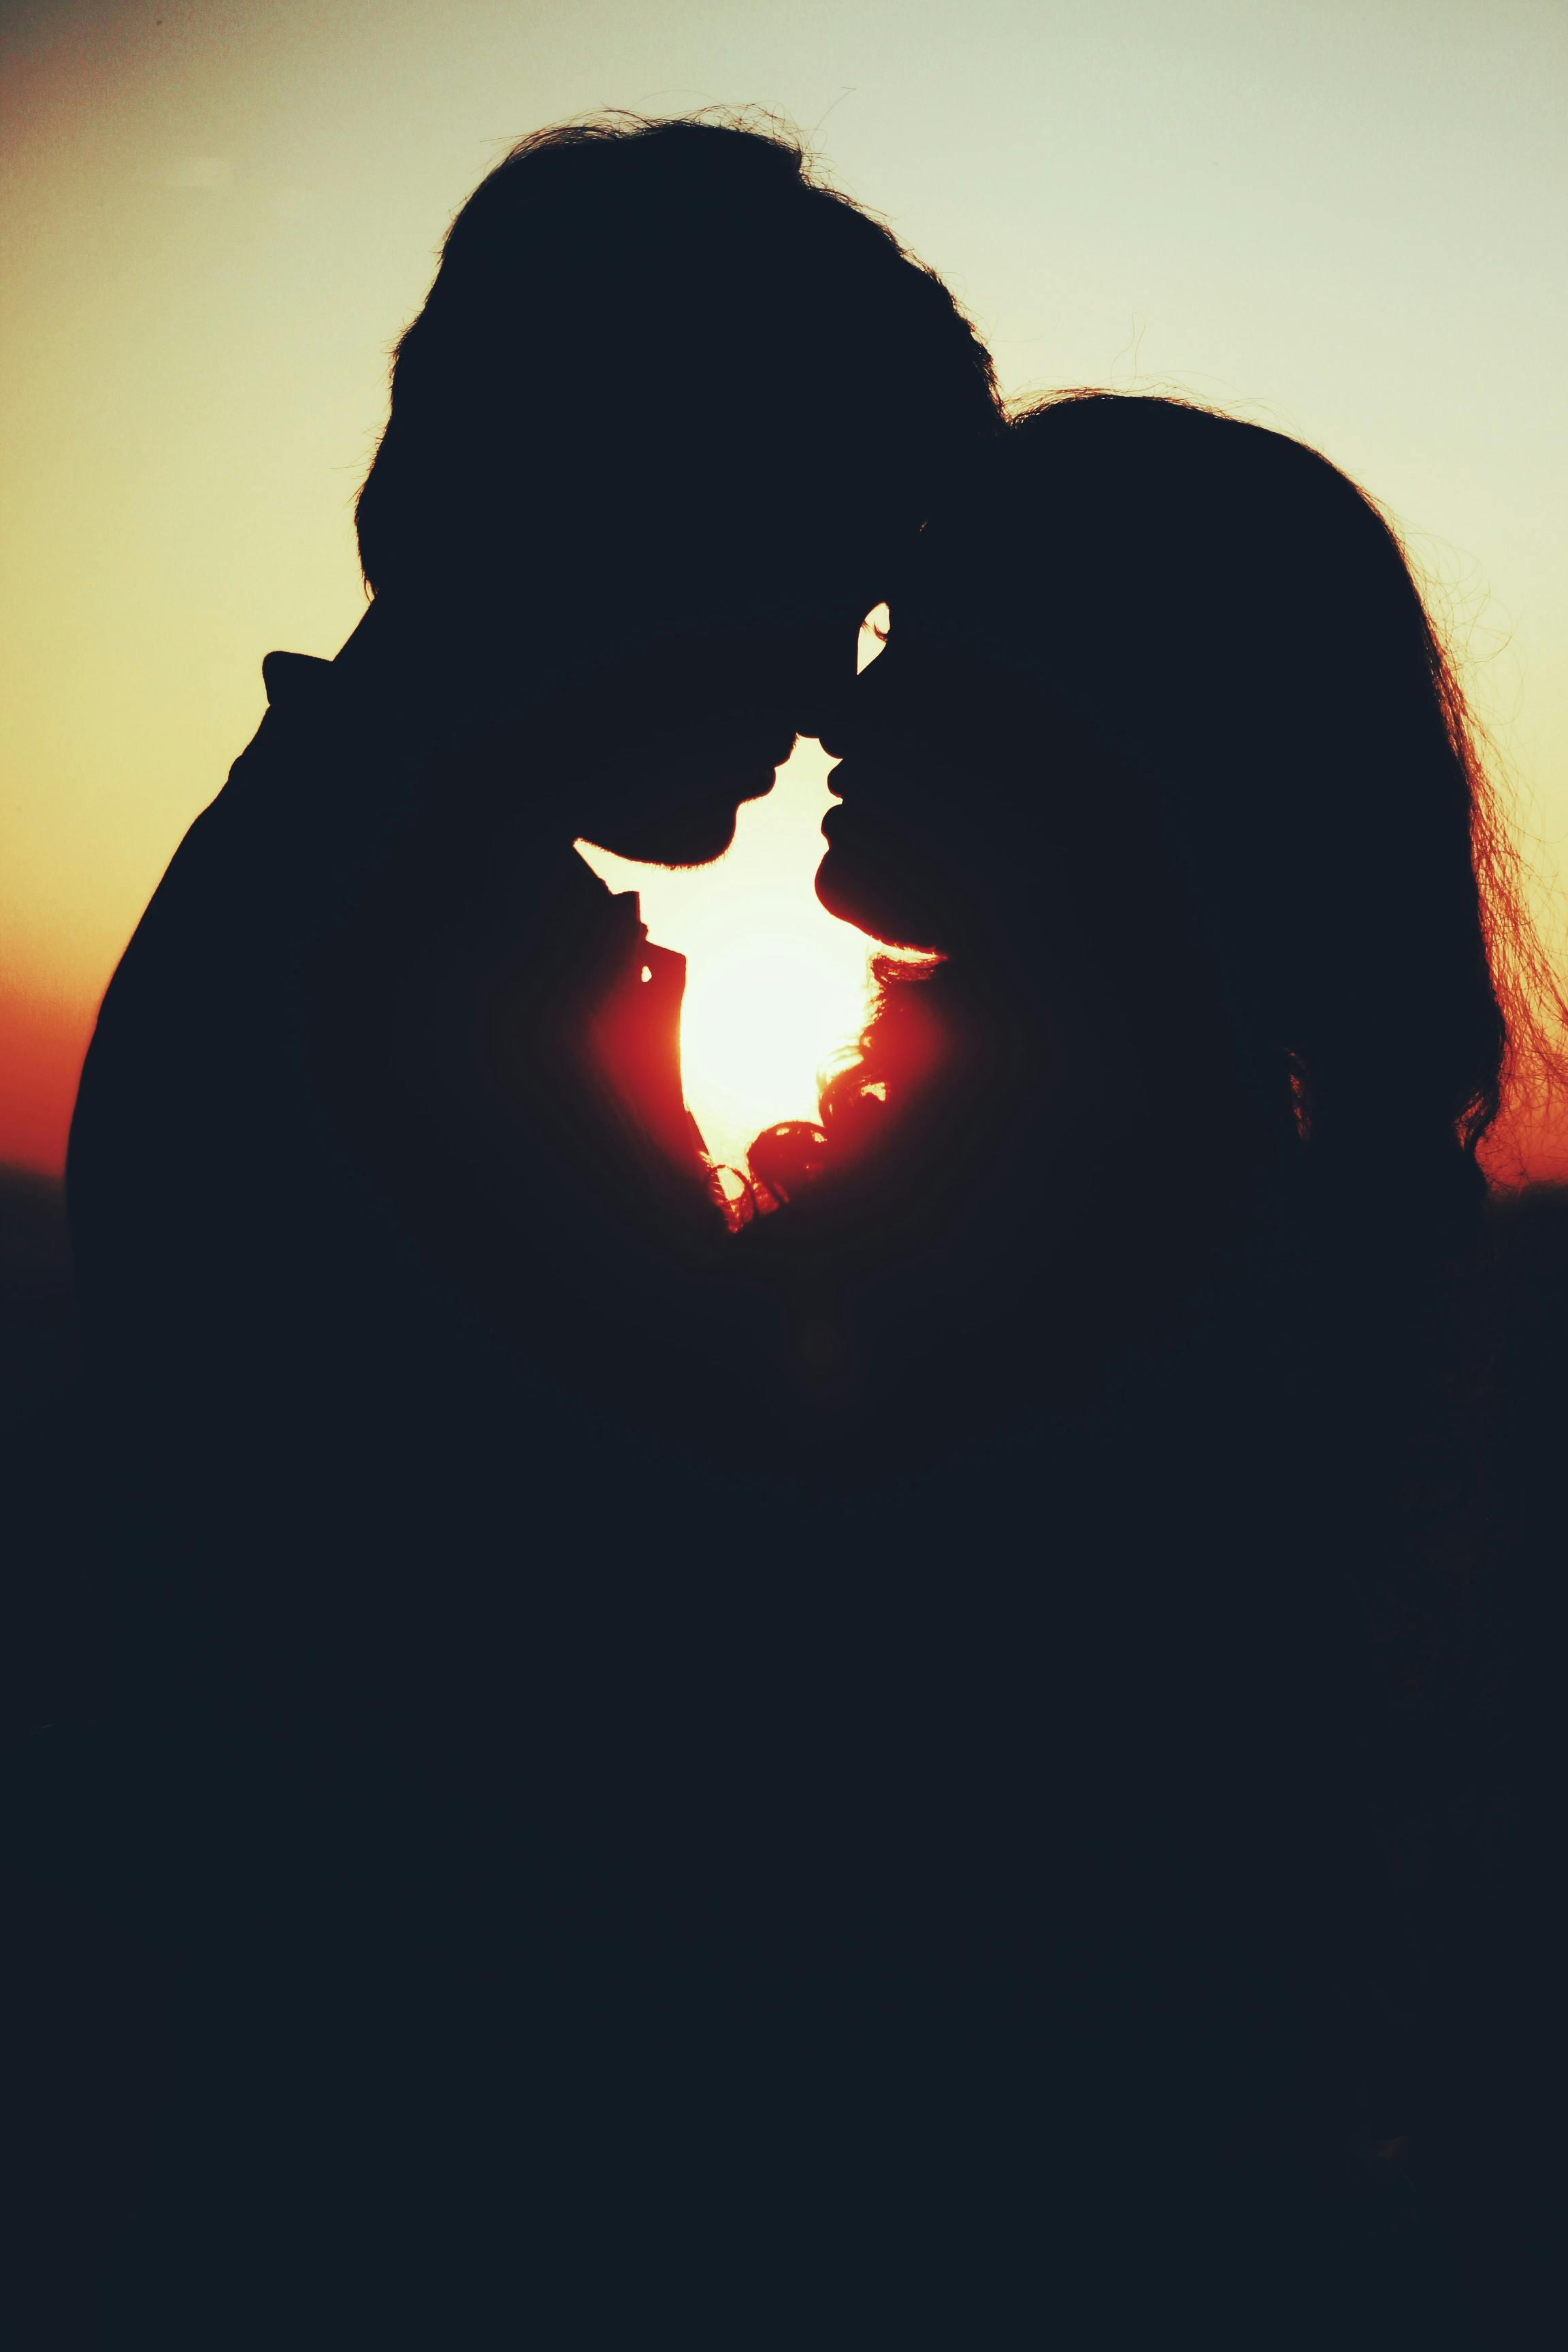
[(1164, 722)]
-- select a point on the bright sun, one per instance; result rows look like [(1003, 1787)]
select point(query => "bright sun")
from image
[(775, 987)]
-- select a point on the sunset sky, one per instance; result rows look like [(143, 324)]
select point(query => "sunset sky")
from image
[(1344, 218)]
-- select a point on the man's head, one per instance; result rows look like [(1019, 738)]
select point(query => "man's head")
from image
[(670, 414)]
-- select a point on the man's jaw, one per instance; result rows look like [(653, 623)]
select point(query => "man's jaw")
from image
[(694, 835)]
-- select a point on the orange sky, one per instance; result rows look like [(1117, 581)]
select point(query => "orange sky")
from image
[(1346, 221)]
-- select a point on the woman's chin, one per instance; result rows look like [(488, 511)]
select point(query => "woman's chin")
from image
[(857, 893)]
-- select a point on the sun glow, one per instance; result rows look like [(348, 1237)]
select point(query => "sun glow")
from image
[(775, 987)]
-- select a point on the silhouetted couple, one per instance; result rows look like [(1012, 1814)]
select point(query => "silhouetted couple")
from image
[(909, 1773)]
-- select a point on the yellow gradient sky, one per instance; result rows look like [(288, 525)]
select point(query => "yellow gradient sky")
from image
[(1346, 219)]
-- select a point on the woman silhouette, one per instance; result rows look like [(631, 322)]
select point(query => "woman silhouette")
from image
[(1165, 760), (1119, 1280)]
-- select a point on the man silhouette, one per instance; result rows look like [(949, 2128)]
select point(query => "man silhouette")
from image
[(380, 1140), (418, 1810)]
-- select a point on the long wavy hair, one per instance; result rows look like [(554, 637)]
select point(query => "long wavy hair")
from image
[(1290, 874), (1243, 959)]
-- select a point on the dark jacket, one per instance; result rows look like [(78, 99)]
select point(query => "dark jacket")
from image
[(383, 1190)]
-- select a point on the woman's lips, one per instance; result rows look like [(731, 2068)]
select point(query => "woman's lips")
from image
[(861, 829), (857, 816)]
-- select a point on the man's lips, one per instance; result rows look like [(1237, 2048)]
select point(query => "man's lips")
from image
[(761, 776)]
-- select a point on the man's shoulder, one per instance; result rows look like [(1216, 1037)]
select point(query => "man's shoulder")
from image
[(293, 814), (215, 925)]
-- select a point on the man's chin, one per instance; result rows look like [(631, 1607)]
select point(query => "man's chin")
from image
[(696, 842), (694, 835)]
